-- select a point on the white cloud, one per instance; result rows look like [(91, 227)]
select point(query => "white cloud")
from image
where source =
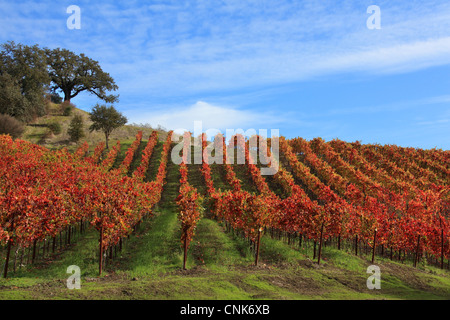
[(398, 58), (211, 116)]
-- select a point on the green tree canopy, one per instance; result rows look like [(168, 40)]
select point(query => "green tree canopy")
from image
[(106, 119), (72, 74), (24, 80)]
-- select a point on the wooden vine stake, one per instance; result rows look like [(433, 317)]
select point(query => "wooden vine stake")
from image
[(258, 240), (374, 245), (320, 244), (5, 274), (34, 251), (100, 263), (417, 251), (442, 248), (185, 251)]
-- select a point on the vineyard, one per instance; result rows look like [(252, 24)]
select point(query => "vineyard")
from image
[(329, 202)]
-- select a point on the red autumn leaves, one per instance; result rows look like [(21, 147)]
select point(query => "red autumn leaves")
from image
[(42, 192)]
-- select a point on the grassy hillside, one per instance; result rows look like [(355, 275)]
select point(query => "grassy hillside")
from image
[(36, 131), (219, 267)]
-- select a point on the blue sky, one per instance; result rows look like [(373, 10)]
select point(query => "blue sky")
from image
[(307, 68)]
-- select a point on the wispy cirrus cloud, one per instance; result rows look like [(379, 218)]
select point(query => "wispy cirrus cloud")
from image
[(199, 46), (427, 103)]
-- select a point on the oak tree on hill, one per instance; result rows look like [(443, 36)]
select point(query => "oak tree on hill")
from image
[(72, 74)]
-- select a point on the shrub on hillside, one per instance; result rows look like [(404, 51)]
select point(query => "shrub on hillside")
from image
[(67, 111), (67, 108), (76, 128), (55, 127), (11, 126)]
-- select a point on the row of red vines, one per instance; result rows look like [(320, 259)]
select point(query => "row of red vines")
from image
[(139, 173), (401, 221), (98, 151), (43, 192), (188, 201), (108, 162), (129, 156)]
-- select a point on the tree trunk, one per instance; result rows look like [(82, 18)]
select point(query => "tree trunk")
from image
[(66, 95), (34, 251)]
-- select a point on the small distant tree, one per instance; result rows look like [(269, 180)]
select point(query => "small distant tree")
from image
[(106, 119), (76, 128), (11, 126)]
